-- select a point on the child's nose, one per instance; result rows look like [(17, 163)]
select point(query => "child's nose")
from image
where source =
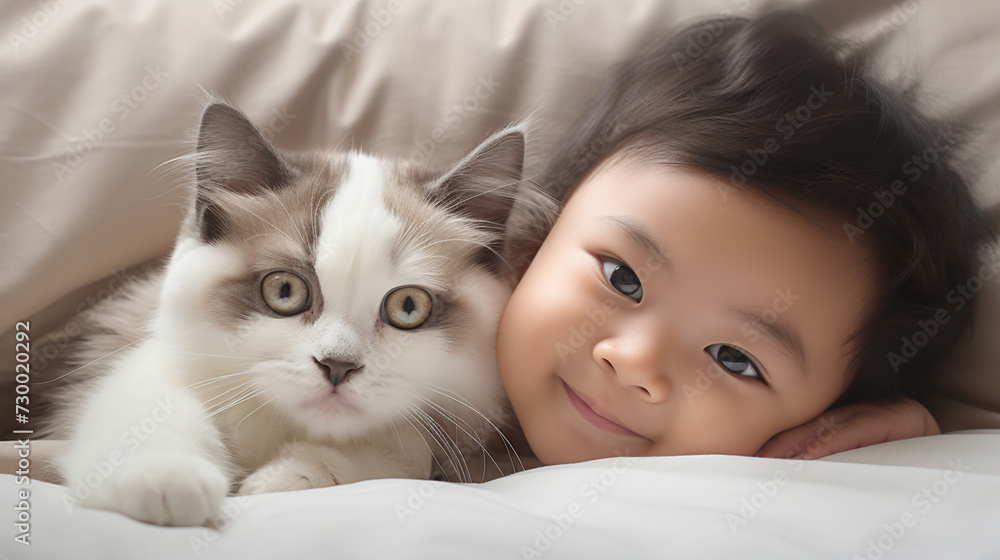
[(636, 363)]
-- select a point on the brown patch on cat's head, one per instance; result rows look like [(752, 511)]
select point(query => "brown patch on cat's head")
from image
[(275, 230), (458, 216)]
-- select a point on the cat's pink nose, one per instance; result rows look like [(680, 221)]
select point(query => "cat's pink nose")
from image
[(337, 371)]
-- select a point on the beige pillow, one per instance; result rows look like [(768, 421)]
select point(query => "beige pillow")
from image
[(97, 95)]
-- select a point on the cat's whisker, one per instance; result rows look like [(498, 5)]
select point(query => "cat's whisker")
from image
[(455, 419), (181, 162), (408, 415), (279, 230), (416, 238), (451, 207), (415, 234), (254, 237), (92, 362), (447, 393), (291, 219), (410, 419), (423, 258), (412, 412), (240, 388), (214, 380), (449, 415), (477, 243), (246, 357), (177, 185), (399, 438), (239, 400), (318, 206), (219, 407), (448, 445), (265, 403)]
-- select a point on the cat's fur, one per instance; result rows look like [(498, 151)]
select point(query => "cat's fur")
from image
[(210, 390)]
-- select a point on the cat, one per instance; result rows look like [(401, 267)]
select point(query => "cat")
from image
[(323, 318)]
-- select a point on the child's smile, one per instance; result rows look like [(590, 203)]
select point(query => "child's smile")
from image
[(659, 318)]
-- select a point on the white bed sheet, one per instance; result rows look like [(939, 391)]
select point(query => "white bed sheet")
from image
[(933, 497)]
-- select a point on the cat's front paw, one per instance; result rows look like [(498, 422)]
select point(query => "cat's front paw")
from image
[(284, 475), (299, 466), (184, 490)]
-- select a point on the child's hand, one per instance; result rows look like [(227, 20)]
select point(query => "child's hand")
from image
[(850, 427)]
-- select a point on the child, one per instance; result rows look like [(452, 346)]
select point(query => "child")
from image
[(750, 230)]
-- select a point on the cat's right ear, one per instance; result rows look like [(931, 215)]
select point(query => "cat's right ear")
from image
[(484, 184), (232, 157)]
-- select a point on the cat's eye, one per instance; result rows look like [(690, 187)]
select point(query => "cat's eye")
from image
[(622, 278), (734, 360), (285, 293), (406, 307)]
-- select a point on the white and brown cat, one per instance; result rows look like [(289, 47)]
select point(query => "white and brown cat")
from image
[(324, 318)]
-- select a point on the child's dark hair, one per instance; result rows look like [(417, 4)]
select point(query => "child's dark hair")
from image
[(776, 107)]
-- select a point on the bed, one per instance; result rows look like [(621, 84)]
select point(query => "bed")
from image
[(97, 95)]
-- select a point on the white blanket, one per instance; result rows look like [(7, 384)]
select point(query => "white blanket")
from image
[(934, 497)]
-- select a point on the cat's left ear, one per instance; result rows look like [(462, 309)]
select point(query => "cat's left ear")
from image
[(232, 157), (484, 184)]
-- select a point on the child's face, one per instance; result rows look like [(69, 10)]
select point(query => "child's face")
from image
[(608, 347)]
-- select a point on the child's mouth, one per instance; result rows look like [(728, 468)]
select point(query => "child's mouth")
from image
[(598, 419)]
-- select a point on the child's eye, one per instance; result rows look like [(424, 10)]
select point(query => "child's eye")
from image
[(622, 278), (733, 360)]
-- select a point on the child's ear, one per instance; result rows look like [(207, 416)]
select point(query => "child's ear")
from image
[(535, 212), (518, 253)]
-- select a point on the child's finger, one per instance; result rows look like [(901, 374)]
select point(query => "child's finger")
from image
[(850, 427), (851, 437), (814, 437)]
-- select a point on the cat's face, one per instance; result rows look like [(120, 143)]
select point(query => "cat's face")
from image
[(342, 290)]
